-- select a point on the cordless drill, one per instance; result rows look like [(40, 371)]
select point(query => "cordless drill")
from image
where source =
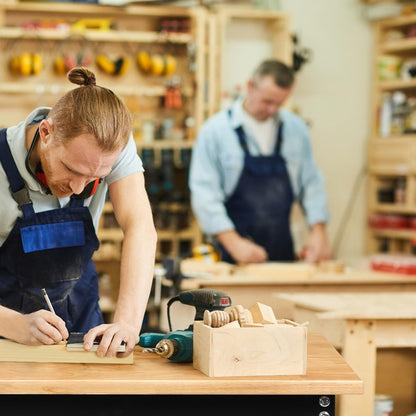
[(178, 345)]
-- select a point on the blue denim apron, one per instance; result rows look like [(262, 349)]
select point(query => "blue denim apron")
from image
[(261, 203), (50, 249)]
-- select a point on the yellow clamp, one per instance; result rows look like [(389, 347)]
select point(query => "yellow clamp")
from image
[(205, 252)]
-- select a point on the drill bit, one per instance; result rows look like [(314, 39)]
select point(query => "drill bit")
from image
[(165, 348), (156, 350)]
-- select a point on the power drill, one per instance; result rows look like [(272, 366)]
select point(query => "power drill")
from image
[(178, 345)]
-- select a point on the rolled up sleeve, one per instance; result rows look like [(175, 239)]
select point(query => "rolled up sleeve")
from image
[(206, 179)]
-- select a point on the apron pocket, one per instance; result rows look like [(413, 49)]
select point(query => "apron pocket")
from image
[(48, 236)]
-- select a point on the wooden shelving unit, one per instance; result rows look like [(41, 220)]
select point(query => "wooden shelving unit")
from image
[(94, 36), (24, 28), (392, 157)]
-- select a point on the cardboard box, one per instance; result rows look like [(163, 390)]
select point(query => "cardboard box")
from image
[(274, 349)]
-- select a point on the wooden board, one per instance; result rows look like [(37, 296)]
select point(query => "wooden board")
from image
[(202, 268), (276, 269), (284, 274), (12, 351), (205, 268)]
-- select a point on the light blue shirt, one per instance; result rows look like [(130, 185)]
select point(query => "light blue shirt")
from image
[(218, 159)]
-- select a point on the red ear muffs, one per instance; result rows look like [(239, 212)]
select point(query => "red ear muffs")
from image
[(84, 59), (66, 62), (89, 190), (94, 186), (70, 60)]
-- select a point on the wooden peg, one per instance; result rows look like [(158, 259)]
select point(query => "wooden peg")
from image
[(216, 319), (262, 314), (240, 314)]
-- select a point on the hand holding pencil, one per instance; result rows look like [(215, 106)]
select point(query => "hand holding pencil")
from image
[(48, 301), (58, 324)]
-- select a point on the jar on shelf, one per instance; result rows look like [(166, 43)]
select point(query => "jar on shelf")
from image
[(400, 191), (413, 246), (400, 111), (386, 114), (383, 405), (389, 67), (410, 122), (386, 194)]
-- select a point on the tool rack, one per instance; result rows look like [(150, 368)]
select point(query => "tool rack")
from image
[(391, 147)]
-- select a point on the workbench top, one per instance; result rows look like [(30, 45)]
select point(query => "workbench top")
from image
[(327, 373), (198, 274), (318, 279), (389, 305)]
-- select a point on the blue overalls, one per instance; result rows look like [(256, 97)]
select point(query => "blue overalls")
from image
[(261, 202), (50, 249)]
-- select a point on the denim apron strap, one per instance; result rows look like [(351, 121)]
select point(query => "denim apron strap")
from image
[(17, 185)]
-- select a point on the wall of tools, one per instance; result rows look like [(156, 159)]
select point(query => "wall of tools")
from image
[(148, 55), (166, 173)]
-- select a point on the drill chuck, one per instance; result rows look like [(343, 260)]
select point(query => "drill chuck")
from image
[(176, 346), (167, 348)]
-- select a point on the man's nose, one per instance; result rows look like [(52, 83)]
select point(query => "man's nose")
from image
[(77, 185), (272, 109)]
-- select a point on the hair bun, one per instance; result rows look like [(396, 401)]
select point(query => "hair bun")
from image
[(81, 76), (90, 80)]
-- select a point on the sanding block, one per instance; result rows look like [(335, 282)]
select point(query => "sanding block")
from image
[(75, 342)]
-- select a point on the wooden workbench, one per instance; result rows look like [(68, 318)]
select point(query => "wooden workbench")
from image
[(359, 324), (260, 283), (327, 374)]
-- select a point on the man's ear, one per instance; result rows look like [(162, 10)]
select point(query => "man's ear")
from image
[(250, 84), (45, 130)]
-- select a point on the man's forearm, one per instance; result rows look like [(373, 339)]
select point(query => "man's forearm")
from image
[(227, 238), (318, 247), (136, 276), (8, 322), (318, 227)]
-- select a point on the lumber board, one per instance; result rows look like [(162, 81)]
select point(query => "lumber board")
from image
[(199, 271), (203, 268), (277, 269), (57, 353), (197, 267)]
